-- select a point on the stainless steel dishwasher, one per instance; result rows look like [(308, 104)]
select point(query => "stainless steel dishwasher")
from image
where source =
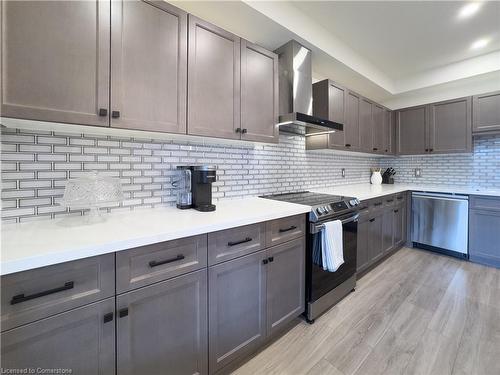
[(440, 222)]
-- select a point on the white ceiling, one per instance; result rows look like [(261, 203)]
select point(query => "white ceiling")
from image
[(404, 38), (398, 53)]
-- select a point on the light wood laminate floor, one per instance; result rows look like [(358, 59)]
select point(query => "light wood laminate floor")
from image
[(416, 313)]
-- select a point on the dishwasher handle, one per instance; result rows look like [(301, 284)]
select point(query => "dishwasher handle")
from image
[(453, 197)]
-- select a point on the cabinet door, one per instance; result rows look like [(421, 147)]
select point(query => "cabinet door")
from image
[(336, 111), (162, 328), (351, 125), (388, 132), (259, 94), (378, 128), (399, 225), (486, 112), (285, 284), (236, 308), (484, 237), (363, 254), (388, 229), (450, 126), (213, 81), (56, 61), (365, 126), (149, 66), (81, 339), (411, 126), (376, 237)]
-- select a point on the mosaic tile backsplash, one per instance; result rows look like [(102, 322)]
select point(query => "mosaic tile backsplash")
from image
[(36, 165)]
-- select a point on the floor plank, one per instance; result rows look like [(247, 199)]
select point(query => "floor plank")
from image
[(417, 313)]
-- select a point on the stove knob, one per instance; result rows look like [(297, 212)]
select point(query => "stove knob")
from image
[(319, 210), (353, 202)]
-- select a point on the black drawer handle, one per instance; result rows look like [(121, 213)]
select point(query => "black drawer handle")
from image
[(347, 145), (390, 200), (248, 239), (377, 204), (22, 298), (265, 261), (108, 317), (288, 229), (396, 211), (123, 312), (237, 130), (154, 263), (399, 198), (372, 220), (103, 112), (270, 259), (115, 114), (244, 131), (375, 149)]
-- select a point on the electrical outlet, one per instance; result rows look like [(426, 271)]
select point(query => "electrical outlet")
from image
[(418, 172), (343, 172)]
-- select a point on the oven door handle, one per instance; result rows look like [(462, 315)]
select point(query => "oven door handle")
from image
[(315, 228)]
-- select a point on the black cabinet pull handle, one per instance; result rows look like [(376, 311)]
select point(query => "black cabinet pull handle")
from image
[(399, 198), (265, 261), (154, 263), (396, 211), (271, 259), (288, 229), (244, 131), (123, 312), (108, 317), (372, 220), (115, 114), (431, 149), (347, 145), (377, 204), (390, 200), (375, 149), (237, 130), (426, 150), (234, 243), (103, 112), (22, 298)]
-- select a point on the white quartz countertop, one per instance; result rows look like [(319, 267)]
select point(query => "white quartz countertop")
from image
[(46, 242), (368, 191)]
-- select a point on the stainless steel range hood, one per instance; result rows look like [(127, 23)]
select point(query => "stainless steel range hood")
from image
[(295, 93)]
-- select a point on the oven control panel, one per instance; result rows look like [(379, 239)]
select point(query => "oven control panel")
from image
[(334, 208)]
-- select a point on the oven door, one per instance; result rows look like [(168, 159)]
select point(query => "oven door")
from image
[(320, 282)]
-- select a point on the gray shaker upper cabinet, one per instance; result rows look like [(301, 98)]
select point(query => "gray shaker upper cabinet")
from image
[(411, 124), (351, 125), (259, 93), (56, 61), (450, 127), (486, 112), (329, 103), (213, 81), (388, 136), (365, 125), (378, 128), (148, 66)]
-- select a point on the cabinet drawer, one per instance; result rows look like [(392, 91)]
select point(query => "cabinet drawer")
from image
[(235, 242), (389, 200), (400, 198), (31, 295), (485, 203), (285, 229), (377, 203), (152, 263)]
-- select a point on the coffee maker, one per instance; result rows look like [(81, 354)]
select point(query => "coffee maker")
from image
[(199, 190)]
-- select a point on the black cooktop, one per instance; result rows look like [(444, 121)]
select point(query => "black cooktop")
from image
[(306, 197)]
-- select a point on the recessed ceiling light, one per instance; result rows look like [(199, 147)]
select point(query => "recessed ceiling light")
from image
[(480, 43), (468, 10)]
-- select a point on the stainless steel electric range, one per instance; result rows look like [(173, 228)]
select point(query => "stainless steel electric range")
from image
[(324, 289)]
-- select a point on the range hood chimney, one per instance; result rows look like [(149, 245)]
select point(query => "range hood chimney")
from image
[(295, 93)]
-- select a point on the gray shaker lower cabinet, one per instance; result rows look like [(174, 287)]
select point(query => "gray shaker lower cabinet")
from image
[(81, 339), (236, 308), (162, 328), (399, 225), (285, 284), (363, 256), (387, 230), (484, 237)]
